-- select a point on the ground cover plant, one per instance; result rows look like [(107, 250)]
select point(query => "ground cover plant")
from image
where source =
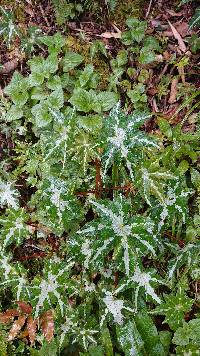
[(99, 184)]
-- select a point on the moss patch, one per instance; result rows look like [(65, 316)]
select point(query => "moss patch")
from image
[(125, 9)]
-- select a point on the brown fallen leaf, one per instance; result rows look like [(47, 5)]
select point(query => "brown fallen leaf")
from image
[(178, 37), (32, 328), (173, 13), (8, 315), (24, 307), (16, 327), (47, 325), (9, 66), (182, 28), (173, 91), (111, 35)]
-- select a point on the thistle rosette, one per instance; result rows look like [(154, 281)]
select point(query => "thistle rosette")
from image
[(122, 139), (115, 232)]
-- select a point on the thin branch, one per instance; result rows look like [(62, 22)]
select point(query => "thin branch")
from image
[(149, 8)]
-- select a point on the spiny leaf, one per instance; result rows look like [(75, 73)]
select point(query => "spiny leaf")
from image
[(116, 229), (141, 281), (51, 286), (14, 228), (8, 195), (114, 307), (122, 139), (174, 308)]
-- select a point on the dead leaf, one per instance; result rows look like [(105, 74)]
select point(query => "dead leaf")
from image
[(178, 37), (16, 327), (111, 35), (24, 307), (32, 328), (182, 28), (173, 91), (8, 315), (174, 14), (9, 66), (47, 325)]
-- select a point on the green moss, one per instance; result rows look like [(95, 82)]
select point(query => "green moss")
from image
[(125, 9), (100, 65), (18, 9)]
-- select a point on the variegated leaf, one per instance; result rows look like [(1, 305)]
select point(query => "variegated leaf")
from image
[(122, 139), (14, 228), (141, 281), (8, 195), (52, 286), (116, 229), (57, 207), (174, 308)]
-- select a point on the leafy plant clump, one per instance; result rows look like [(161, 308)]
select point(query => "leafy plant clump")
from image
[(100, 241)]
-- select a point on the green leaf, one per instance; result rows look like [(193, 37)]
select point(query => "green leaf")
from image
[(141, 281), (17, 89), (54, 43), (137, 95), (41, 115), (83, 100), (189, 255), (8, 29), (190, 332), (190, 349), (151, 179), (137, 29), (14, 276), (174, 308), (14, 113), (97, 46), (122, 57), (116, 230), (129, 339), (152, 43), (122, 139), (14, 228), (165, 338), (58, 209), (29, 41), (183, 167), (181, 336), (165, 128), (51, 286), (107, 342), (90, 123), (195, 20), (105, 101), (71, 60), (88, 78), (149, 334), (56, 99), (194, 42), (47, 349), (195, 178), (146, 55), (50, 65)]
